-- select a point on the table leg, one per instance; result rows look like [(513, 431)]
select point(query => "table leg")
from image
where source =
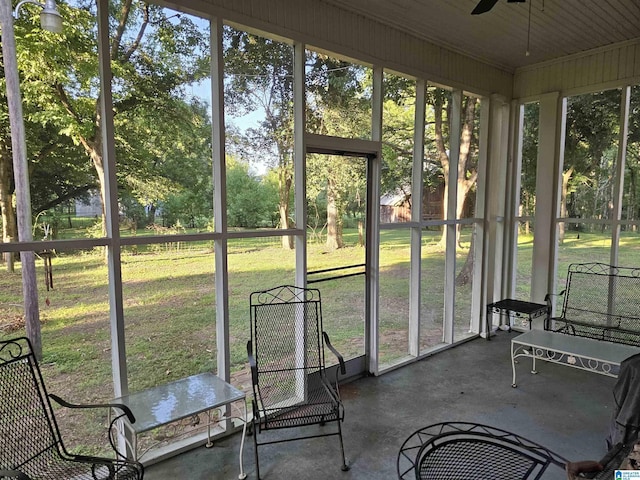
[(244, 433), (488, 320), (513, 366), (209, 443)]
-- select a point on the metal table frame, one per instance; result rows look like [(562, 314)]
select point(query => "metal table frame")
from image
[(578, 352), (164, 404), (516, 308)]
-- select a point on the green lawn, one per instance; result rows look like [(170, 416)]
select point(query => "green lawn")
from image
[(170, 312)]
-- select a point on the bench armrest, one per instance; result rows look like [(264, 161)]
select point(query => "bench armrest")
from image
[(547, 299)]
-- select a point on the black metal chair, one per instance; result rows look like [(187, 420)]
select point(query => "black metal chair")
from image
[(31, 446), (461, 450), (287, 360)]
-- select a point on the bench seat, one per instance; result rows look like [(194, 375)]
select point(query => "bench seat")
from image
[(578, 352)]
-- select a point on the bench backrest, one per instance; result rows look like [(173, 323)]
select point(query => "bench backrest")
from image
[(602, 301)]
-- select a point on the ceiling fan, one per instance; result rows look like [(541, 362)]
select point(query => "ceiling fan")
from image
[(486, 5)]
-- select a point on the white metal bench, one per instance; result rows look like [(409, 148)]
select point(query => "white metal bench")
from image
[(578, 352), (599, 325)]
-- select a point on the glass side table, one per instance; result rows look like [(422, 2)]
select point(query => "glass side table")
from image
[(184, 398)]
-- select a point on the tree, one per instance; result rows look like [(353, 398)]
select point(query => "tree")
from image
[(155, 53), (592, 126), (334, 181), (467, 159), (168, 162), (398, 127), (249, 200), (259, 78), (339, 104), (529, 161), (631, 201), (9, 227)]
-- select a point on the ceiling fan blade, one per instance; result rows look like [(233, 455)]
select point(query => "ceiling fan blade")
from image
[(483, 6)]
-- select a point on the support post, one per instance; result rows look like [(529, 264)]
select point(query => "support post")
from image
[(21, 177)]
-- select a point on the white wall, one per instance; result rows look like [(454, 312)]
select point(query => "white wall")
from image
[(596, 70)]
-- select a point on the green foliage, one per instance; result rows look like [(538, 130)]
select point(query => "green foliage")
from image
[(156, 53), (592, 126), (251, 202), (398, 123)]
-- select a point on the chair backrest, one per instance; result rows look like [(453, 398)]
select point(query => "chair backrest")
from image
[(469, 450), (27, 424), (286, 335)]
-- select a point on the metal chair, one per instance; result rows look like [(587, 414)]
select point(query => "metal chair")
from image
[(461, 450), (31, 447), (287, 360)]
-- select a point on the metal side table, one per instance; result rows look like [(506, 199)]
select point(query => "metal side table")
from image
[(515, 308)]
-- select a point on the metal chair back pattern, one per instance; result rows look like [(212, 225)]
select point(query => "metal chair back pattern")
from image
[(287, 360), (473, 451), (32, 447)]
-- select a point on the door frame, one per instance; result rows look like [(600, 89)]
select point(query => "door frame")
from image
[(372, 151)]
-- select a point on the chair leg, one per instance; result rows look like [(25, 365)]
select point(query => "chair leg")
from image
[(255, 448), (345, 467)]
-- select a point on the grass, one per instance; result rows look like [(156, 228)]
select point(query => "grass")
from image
[(169, 303)]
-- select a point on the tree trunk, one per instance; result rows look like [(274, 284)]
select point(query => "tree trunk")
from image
[(566, 176), (466, 180), (151, 214), (334, 222), (9, 228), (284, 182), (94, 150), (466, 274)]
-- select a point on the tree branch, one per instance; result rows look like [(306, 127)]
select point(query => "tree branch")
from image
[(72, 194), (124, 16), (134, 46), (62, 95)]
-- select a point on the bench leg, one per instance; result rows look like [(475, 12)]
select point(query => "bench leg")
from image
[(518, 350), (533, 361)]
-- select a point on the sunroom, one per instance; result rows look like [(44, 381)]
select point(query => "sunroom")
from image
[(412, 161)]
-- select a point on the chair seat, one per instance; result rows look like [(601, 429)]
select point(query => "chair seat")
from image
[(465, 459), (323, 408), (463, 450), (56, 468)]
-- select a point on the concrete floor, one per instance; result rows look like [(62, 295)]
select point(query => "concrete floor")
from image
[(565, 409)]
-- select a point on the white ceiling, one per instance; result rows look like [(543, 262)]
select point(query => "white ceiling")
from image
[(500, 36)]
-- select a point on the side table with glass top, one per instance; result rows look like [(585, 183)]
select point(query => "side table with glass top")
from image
[(182, 399)]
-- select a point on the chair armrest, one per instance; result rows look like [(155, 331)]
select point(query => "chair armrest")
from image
[(252, 363), (13, 474), (126, 410), (343, 368)]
